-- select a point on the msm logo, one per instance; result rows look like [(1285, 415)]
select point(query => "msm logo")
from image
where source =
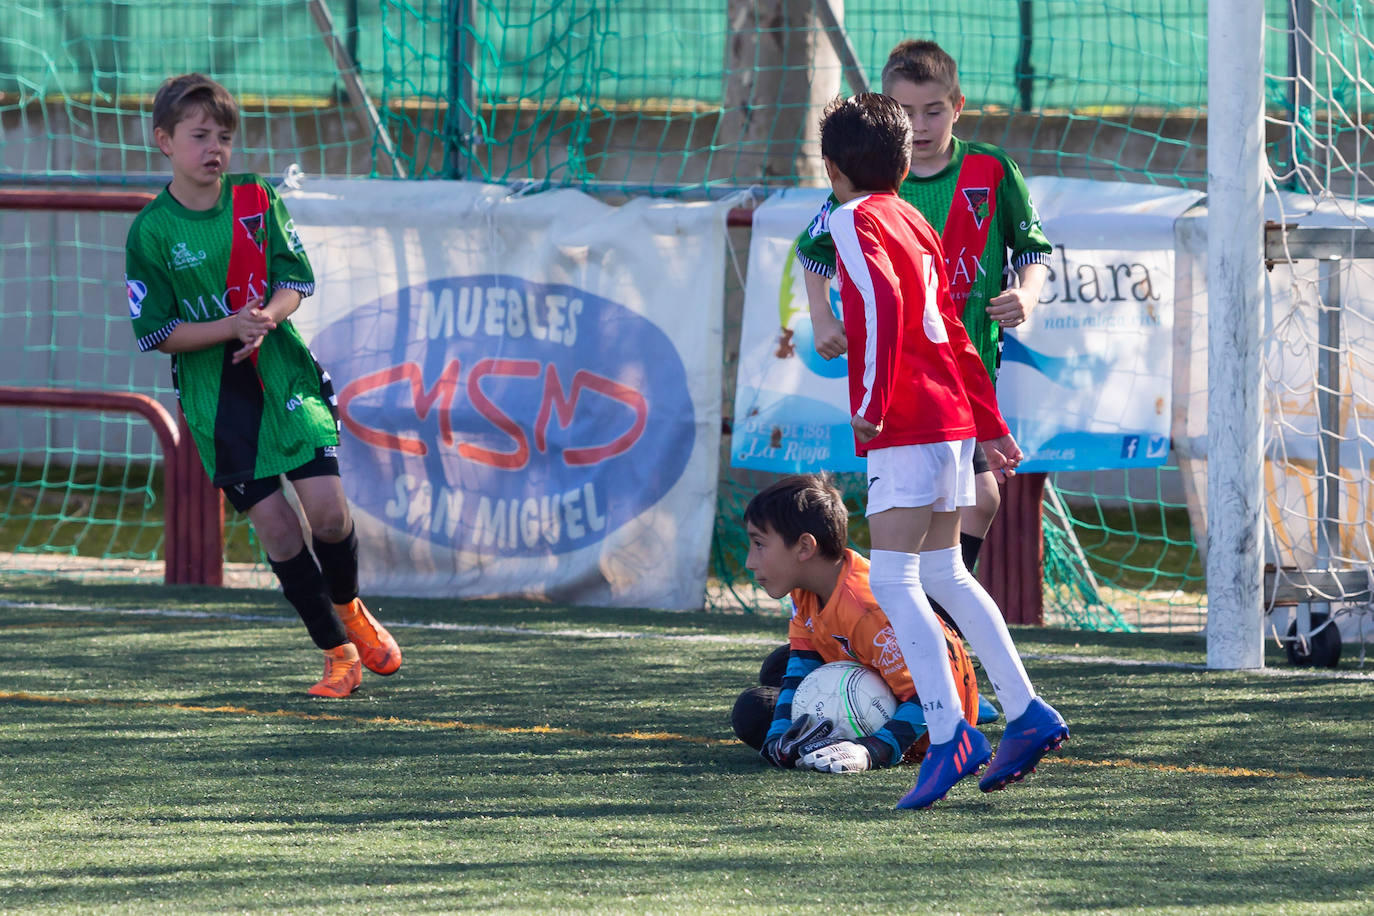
[(494, 414)]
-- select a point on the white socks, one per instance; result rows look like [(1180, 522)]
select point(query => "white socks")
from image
[(945, 578), (895, 579)]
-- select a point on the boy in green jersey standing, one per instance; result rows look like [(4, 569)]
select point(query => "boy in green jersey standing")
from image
[(973, 195), (214, 269)]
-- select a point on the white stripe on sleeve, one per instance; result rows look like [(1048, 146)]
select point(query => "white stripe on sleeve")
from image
[(848, 253)]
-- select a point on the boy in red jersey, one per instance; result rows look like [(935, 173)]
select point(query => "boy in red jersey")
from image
[(798, 528), (973, 195), (921, 397), (214, 268)]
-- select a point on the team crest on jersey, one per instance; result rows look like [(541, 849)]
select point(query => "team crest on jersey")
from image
[(256, 227), (889, 653), (977, 199), (293, 238), (183, 257), (821, 224), (138, 291), (844, 644)]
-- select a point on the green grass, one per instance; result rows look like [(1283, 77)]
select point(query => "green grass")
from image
[(584, 761)]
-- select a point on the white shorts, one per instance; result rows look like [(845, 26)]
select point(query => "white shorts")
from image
[(935, 474)]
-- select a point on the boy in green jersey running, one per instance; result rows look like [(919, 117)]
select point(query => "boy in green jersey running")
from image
[(973, 195), (214, 269)]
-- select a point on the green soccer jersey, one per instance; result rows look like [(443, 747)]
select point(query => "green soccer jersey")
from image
[(260, 417), (980, 207)]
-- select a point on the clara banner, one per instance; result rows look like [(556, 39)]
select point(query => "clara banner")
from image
[(1086, 384), (528, 387)]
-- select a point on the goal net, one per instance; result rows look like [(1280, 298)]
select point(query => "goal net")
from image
[(1318, 329)]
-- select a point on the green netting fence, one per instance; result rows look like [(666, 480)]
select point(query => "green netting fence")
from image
[(617, 98)]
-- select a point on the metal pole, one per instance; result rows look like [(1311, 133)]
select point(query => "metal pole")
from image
[(357, 93), (1300, 98), (1235, 225), (1329, 411), (1025, 70), (1328, 434), (461, 94), (352, 27), (843, 47)]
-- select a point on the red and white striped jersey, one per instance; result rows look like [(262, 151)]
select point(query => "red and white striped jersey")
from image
[(912, 368)]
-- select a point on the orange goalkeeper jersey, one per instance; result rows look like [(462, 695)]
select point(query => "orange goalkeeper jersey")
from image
[(852, 627)]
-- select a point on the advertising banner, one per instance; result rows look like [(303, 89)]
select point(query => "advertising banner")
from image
[(528, 387), (791, 406), (1086, 383)]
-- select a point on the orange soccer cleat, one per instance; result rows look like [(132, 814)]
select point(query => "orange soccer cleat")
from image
[(342, 673), (378, 650)]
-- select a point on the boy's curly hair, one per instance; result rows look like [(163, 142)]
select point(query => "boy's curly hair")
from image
[(868, 138)]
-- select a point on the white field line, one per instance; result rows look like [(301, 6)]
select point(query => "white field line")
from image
[(632, 634)]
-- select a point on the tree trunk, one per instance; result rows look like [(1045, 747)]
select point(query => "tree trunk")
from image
[(780, 72)]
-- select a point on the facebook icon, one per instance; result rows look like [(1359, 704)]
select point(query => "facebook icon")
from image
[(1129, 446)]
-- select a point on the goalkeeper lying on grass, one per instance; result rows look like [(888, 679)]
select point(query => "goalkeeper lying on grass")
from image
[(798, 528)]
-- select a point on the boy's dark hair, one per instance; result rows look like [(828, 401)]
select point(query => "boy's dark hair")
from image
[(179, 95), (922, 62), (802, 504), (868, 138)]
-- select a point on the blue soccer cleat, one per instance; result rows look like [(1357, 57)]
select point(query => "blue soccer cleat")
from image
[(1030, 736), (947, 763)]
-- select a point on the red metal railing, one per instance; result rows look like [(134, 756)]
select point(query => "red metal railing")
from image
[(1011, 565), (87, 201), (194, 518)]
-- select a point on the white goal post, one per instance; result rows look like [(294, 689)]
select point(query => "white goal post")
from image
[(1235, 287)]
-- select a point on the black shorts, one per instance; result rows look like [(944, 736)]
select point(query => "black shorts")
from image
[(980, 460), (246, 495)]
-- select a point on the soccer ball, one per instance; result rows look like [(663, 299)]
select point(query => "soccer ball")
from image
[(853, 696)]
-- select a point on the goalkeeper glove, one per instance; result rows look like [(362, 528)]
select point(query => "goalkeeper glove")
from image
[(802, 736), (838, 756)]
